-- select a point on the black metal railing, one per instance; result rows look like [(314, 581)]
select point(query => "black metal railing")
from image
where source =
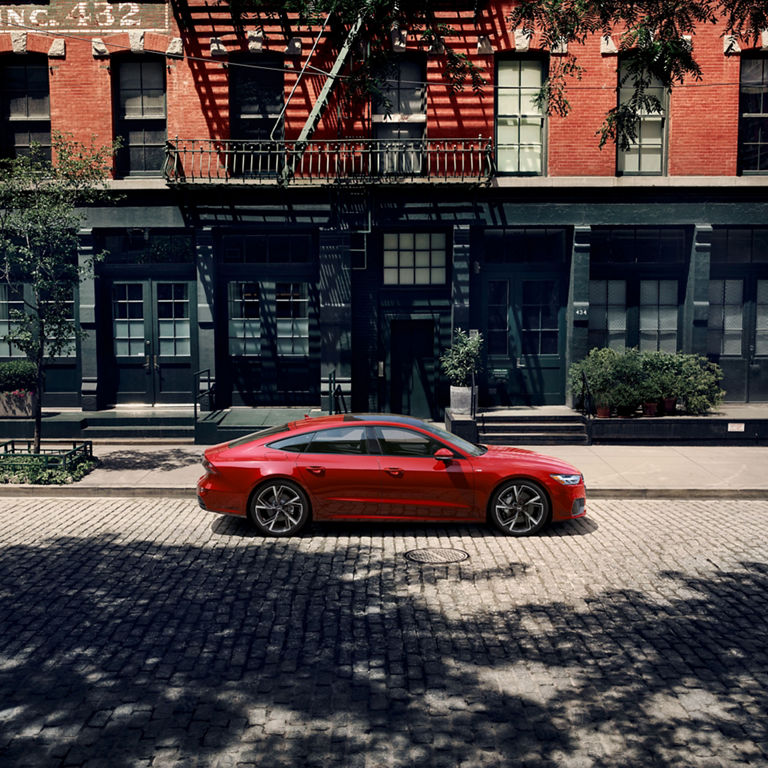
[(189, 161), (17, 455), (198, 391)]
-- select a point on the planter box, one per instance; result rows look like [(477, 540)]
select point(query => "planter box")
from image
[(461, 400), (15, 407)]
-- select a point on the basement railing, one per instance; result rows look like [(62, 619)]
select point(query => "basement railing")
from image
[(342, 161)]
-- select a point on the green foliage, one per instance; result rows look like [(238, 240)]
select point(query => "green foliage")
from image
[(34, 471), (626, 378), (17, 374), (40, 214), (462, 358)]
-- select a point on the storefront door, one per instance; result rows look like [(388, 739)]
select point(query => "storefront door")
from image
[(152, 346)]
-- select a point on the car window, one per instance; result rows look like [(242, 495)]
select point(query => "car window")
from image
[(395, 441), (347, 440), (294, 443)]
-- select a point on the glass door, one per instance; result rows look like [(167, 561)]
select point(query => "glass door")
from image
[(152, 345)]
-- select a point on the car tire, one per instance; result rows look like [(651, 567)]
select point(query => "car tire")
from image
[(279, 508), (520, 508)]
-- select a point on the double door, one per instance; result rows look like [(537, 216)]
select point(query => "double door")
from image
[(152, 346), (738, 335)]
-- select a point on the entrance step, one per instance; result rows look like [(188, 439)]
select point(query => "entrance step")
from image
[(536, 426)]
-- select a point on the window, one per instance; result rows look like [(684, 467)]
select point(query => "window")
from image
[(725, 325), (294, 444), (128, 319), (292, 310), (761, 318), (173, 326), (244, 319), (395, 441), (540, 325), (658, 315), (141, 117), (498, 318), (608, 313), (268, 249), (25, 115), (646, 154), (415, 258), (344, 440), (400, 118), (256, 99), (11, 301), (753, 110), (519, 121)]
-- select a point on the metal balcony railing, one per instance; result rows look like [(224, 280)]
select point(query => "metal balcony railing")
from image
[(347, 161)]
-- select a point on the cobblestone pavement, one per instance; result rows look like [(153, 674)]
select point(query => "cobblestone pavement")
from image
[(140, 632)]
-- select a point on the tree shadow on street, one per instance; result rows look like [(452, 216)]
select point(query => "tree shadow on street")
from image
[(300, 652)]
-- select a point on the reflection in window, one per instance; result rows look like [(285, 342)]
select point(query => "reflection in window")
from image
[(292, 311), (173, 324), (395, 441), (540, 317), (646, 154), (498, 318), (761, 316), (519, 121), (725, 324), (344, 440), (244, 319), (608, 313), (11, 302), (753, 127), (128, 319), (415, 258), (658, 315), (141, 117), (25, 116)]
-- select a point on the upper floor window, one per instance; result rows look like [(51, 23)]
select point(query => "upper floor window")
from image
[(400, 117), (519, 121), (646, 154), (753, 111), (141, 118), (256, 99), (25, 116)]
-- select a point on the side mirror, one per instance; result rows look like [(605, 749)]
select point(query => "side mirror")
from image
[(443, 454)]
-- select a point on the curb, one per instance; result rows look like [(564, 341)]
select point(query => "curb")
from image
[(72, 491)]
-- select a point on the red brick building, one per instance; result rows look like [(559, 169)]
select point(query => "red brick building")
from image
[(276, 259)]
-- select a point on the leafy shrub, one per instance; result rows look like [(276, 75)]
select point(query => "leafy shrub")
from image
[(626, 378), (17, 374), (33, 472)]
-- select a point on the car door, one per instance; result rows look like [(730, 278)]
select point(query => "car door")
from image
[(340, 474), (416, 485)]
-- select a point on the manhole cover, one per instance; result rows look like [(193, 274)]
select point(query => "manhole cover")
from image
[(436, 555)]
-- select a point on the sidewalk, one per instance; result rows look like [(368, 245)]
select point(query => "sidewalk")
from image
[(610, 471)]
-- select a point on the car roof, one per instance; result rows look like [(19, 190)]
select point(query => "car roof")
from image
[(341, 418)]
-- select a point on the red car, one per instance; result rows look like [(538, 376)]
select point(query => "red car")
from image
[(384, 467)]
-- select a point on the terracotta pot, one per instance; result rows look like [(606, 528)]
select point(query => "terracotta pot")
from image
[(670, 406), (603, 411), (650, 408)]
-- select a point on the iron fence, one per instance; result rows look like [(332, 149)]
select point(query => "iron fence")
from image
[(16, 455)]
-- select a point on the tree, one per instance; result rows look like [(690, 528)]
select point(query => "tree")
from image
[(652, 33), (39, 218)]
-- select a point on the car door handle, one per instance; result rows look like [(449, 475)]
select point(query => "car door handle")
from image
[(394, 471), (315, 470)]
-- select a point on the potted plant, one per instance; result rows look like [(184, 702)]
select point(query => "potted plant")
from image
[(460, 363), (627, 389), (597, 369), (17, 388), (653, 382), (699, 384)]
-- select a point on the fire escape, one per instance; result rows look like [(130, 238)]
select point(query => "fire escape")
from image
[(307, 161)]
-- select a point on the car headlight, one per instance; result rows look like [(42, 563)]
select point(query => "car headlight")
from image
[(567, 479)]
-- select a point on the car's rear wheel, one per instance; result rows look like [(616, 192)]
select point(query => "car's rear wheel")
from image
[(279, 508), (520, 508)]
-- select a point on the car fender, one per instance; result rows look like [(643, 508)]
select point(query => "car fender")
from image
[(518, 476)]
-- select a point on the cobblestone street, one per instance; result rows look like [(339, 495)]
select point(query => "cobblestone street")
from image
[(139, 632)]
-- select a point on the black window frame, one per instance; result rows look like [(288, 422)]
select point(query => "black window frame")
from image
[(745, 117)]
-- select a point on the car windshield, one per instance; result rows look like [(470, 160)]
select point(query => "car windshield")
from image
[(463, 445)]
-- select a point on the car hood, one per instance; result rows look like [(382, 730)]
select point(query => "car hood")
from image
[(527, 458)]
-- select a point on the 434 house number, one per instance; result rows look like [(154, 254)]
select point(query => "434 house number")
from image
[(85, 15)]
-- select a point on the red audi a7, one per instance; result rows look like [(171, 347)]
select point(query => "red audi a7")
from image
[(384, 467)]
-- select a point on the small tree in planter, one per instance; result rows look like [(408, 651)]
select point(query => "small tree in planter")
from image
[(699, 384), (460, 363), (18, 379)]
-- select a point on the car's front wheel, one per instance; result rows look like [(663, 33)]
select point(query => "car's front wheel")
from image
[(279, 508), (520, 508)]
